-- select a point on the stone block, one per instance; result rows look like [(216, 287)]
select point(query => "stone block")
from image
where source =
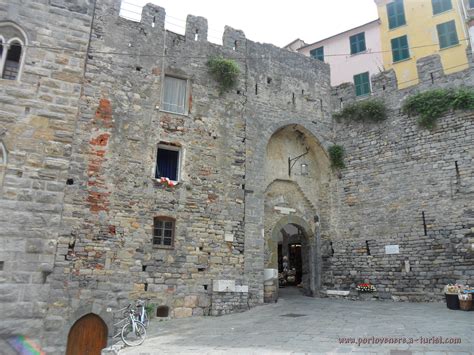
[(223, 285), (182, 312), (190, 301)]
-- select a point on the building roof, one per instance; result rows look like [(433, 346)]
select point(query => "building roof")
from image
[(338, 34), (292, 42)]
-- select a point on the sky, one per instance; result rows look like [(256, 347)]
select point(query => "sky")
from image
[(270, 21)]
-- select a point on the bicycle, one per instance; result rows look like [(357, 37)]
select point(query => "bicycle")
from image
[(141, 311), (133, 333)]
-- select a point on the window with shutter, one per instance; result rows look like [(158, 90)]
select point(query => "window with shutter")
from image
[(362, 84), (357, 43), (447, 34), (400, 49), (441, 6), (317, 53), (396, 14)]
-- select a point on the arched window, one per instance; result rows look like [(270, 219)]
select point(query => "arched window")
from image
[(12, 53), (11, 67)]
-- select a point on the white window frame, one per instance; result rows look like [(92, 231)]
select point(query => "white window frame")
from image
[(186, 95), (6, 46), (176, 148)]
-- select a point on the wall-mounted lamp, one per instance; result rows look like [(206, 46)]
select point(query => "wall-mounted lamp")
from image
[(292, 161), (304, 169)]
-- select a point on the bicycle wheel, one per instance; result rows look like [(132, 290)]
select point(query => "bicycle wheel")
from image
[(131, 337)]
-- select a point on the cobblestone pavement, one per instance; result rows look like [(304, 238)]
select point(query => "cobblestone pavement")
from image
[(303, 325)]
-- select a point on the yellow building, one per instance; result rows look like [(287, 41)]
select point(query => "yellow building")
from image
[(413, 29)]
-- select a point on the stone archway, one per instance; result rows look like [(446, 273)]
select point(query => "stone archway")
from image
[(297, 180), (309, 254)]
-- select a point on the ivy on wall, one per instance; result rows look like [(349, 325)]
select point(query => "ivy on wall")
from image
[(224, 71), (430, 105), (336, 155), (370, 110)]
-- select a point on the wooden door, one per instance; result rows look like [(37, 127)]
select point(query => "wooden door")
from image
[(88, 336)]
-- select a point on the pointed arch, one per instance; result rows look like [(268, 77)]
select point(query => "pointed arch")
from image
[(13, 50)]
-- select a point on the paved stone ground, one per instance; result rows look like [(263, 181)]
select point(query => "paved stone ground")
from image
[(270, 329)]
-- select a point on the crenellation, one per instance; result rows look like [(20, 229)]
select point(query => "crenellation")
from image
[(196, 28), (153, 16), (234, 39)]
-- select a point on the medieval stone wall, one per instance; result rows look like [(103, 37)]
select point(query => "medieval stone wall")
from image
[(37, 121), (396, 172), (105, 255)]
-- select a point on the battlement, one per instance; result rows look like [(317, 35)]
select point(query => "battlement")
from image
[(431, 75)]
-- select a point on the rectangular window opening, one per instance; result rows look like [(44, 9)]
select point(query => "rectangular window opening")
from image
[(168, 162), (441, 6), (163, 232), (447, 34), (400, 49), (357, 43), (317, 53), (174, 95), (396, 14), (362, 84)]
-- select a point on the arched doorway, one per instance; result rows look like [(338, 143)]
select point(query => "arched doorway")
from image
[(296, 199), (291, 252), (88, 336)]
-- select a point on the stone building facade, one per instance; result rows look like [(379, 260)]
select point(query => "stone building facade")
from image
[(86, 224)]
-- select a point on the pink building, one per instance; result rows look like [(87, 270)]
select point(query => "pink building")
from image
[(353, 55)]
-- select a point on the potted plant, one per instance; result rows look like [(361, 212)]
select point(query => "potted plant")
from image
[(366, 291), (465, 301), (164, 181), (366, 287), (451, 293)]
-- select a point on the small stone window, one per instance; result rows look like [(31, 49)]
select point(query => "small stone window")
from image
[(174, 95), (162, 311), (168, 161), (163, 232), (12, 48)]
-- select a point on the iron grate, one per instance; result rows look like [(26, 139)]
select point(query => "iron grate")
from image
[(293, 315)]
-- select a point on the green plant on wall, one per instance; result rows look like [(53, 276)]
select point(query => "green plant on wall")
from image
[(224, 71), (150, 310), (370, 110), (336, 155), (430, 105)]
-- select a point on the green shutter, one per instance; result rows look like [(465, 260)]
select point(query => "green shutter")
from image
[(396, 14), (362, 84), (447, 34), (357, 43), (441, 6), (400, 49), (317, 53)]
